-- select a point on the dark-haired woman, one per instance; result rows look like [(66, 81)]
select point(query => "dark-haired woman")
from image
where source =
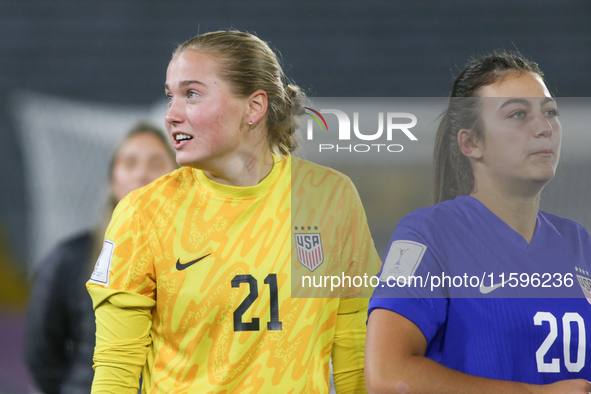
[(194, 286), (497, 146)]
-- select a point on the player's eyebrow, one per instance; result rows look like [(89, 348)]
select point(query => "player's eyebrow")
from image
[(548, 100), (185, 83), (190, 82), (516, 101), (526, 102)]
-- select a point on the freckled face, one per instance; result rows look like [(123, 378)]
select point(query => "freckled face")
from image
[(522, 134), (204, 119)]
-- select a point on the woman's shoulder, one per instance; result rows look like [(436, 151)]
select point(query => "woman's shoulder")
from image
[(167, 191), (66, 258), (72, 248), (308, 176), (179, 178), (564, 227), (82, 240), (439, 214), (301, 167)]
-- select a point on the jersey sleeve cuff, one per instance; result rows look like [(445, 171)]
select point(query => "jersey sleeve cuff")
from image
[(410, 309), (119, 298)]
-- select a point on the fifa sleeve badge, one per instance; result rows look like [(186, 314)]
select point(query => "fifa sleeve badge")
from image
[(100, 275), (403, 259)]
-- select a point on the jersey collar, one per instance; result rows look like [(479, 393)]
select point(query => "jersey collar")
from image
[(279, 167)]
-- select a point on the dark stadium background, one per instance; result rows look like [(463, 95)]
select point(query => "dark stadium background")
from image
[(116, 53)]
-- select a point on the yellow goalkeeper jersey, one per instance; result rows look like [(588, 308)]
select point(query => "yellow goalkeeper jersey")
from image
[(213, 265)]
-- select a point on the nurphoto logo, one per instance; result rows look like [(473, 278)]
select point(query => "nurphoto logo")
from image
[(396, 123)]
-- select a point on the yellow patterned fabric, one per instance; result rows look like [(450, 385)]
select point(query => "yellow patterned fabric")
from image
[(206, 269)]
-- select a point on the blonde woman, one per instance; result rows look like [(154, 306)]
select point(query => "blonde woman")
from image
[(193, 289)]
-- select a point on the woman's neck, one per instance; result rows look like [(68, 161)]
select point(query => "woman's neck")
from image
[(520, 212), (243, 170)]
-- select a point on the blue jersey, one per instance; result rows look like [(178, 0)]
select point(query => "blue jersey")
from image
[(469, 320)]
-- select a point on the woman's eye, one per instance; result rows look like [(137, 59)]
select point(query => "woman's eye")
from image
[(551, 113), (192, 94), (169, 98), (518, 114), (128, 163)]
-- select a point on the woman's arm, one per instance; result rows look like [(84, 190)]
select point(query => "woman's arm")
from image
[(123, 324), (395, 362), (348, 346)]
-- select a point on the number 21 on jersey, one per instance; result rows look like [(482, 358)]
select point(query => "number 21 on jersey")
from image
[(253, 325)]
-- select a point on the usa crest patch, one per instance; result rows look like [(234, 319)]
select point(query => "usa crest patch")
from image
[(309, 248), (585, 286)]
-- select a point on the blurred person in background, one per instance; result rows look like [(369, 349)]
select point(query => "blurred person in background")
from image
[(61, 328)]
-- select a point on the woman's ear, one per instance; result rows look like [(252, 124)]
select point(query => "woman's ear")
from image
[(469, 145), (257, 107)]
